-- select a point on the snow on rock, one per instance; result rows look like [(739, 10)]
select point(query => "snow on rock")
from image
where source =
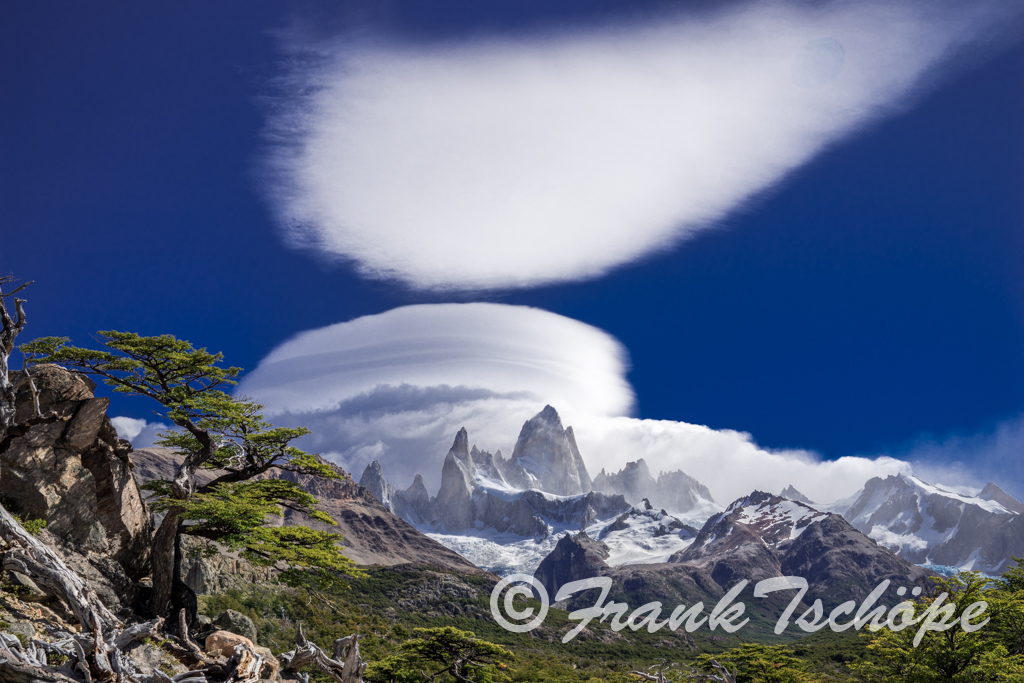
[(934, 525)]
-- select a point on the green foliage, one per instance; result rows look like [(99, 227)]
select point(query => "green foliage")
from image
[(443, 654), (32, 526), (219, 432), (953, 655), (757, 663)]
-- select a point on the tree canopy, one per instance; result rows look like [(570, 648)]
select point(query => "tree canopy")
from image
[(216, 431), (443, 654)]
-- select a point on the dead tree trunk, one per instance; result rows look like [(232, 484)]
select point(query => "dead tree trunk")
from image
[(9, 330), (346, 666)]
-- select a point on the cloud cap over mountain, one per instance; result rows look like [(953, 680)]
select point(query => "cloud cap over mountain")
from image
[(514, 161), (475, 350), (397, 386)]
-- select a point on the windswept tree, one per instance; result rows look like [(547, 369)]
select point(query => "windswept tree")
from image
[(216, 431), (442, 655)]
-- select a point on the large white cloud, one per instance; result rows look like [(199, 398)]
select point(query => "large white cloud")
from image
[(509, 351), (506, 162), (395, 387)]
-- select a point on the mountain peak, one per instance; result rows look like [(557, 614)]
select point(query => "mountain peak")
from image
[(546, 457), (791, 493), (460, 449), (994, 493), (550, 415)]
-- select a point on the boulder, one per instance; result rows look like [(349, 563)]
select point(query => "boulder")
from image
[(76, 474), (26, 588), (150, 659), (236, 622), (223, 644), (22, 628)]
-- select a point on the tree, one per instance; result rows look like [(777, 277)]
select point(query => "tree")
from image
[(953, 655), (216, 431), (755, 663), (443, 654)]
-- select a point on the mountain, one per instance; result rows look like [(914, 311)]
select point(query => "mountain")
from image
[(675, 491), (373, 535), (546, 457), (507, 515), (757, 537), (928, 524), (791, 493), (764, 535)]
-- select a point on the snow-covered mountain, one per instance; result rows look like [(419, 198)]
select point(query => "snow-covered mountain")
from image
[(762, 518), (928, 524), (676, 492), (757, 537), (507, 515)]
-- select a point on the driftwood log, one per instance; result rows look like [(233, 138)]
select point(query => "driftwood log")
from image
[(346, 666)]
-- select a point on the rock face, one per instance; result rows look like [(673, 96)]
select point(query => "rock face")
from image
[(546, 457), (219, 572), (928, 524), (76, 474), (676, 492), (413, 504), (476, 494), (762, 536), (791, 493), (373, 535), (454, 501), (757, 537), (236, 622), (574, 558)]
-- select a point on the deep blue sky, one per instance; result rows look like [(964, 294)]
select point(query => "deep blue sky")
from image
[(875, 297)]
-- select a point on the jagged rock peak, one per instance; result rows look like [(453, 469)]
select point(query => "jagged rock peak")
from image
[(460, 449), (675, 491), (792, 493), (546, 457), (373, 481)]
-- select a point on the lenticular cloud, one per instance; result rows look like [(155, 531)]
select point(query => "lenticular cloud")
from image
[(511, 162), (474, 351), (397, 386)]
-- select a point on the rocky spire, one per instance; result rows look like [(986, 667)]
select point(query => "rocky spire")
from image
[(546, 457)]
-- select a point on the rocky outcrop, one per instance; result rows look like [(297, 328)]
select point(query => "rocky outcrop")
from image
[(218, 572), (574, 558), (546, 457), (674, 491), (75, 473), (412, 504), (454, 500)]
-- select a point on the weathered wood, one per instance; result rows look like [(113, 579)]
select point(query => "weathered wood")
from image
[(248, 664), (346, 666), (37, 561), (11, 672)]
